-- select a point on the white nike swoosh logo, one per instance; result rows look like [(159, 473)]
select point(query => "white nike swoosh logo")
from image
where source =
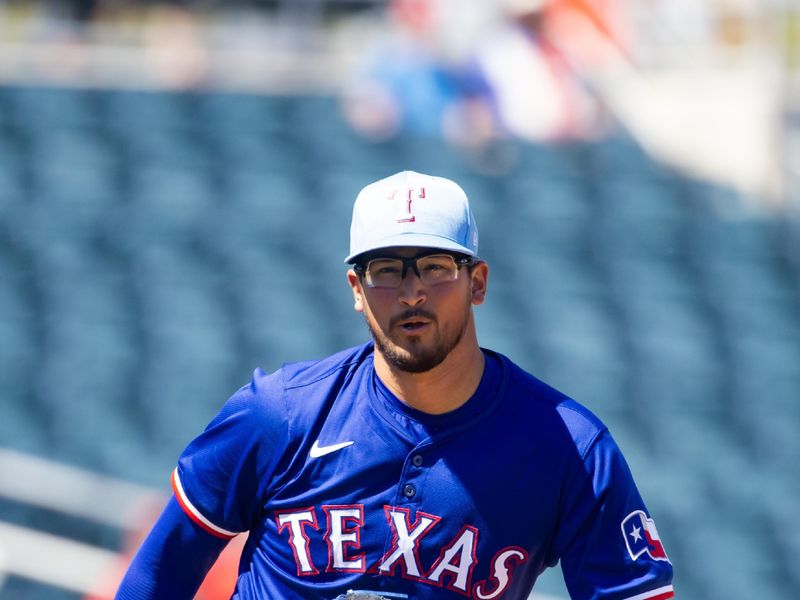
[(317, 450)]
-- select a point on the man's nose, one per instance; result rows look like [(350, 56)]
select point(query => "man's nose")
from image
[(412, 290)]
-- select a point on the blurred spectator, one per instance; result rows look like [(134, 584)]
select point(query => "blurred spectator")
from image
[(79, 10), (471, 74), (539, 64), (409, 83), (169, 34), (175, 46)]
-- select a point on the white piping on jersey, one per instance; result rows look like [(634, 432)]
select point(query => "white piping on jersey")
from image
[(651, 593), (200, 517)]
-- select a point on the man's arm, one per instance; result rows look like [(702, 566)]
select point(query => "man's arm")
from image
[(607, 542), (172, 561)]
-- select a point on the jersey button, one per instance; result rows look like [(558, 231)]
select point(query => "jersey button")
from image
[(417, 460), (409, 491)]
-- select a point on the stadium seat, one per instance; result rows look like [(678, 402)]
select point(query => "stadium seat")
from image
[(548, 216), (133, 111), (20, 424), (557, 274), (539, 160), (731, 238), (618, 156), (12, 187), (632, 274), (429, 155), (37, 109), (228, 115)]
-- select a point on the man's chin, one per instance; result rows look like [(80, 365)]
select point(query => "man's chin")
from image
[(416, 365), (412, 360)]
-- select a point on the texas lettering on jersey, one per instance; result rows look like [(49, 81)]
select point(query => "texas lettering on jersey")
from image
[(452, 569)]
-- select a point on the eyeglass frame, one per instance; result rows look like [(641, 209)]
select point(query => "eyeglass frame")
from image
[(461, 260)]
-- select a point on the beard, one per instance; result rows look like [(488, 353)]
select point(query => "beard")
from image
[(419, 358)]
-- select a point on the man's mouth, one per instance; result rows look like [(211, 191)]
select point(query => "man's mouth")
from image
[(413, 325), (413, 322)]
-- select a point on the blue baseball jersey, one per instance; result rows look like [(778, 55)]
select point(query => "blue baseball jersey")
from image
[(342, 486)]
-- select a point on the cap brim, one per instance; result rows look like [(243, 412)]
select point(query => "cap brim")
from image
[(414, 240)]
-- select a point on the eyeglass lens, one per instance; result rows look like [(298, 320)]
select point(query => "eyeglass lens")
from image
[(431, 269)]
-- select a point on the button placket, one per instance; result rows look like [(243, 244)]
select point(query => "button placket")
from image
[(412, 472)]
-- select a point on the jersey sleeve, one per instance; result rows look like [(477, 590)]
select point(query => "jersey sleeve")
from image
[(222, 475), (607, 541), (172, 561)]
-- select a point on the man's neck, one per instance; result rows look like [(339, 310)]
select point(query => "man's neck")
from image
[(442, 389)]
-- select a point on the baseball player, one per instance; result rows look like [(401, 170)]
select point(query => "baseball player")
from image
[(416, 466)]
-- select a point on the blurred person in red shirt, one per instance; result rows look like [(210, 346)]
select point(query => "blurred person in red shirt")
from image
[(218, 585), (541, 64)]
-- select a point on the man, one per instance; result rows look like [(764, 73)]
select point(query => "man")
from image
[(417, 466)]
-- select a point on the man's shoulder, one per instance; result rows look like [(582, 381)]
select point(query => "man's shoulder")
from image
[(295, 388), (545, 405), (304, 373)]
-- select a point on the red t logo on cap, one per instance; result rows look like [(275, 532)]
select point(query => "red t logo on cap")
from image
[(405, 215)]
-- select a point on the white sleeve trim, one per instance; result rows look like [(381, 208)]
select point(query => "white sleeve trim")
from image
[(196, 514), (652, 593)]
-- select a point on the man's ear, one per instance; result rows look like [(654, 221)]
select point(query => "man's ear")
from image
[(479, 279), (358, 292)]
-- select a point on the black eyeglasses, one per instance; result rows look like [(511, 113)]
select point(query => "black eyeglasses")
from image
[(432, 269)]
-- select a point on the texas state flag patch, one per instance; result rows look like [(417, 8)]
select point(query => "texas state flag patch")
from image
[(641, 536)]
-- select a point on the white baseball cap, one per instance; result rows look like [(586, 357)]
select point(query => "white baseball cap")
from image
[(412, 209)]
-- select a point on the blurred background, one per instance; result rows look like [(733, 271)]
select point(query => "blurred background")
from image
[(176, 181)]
